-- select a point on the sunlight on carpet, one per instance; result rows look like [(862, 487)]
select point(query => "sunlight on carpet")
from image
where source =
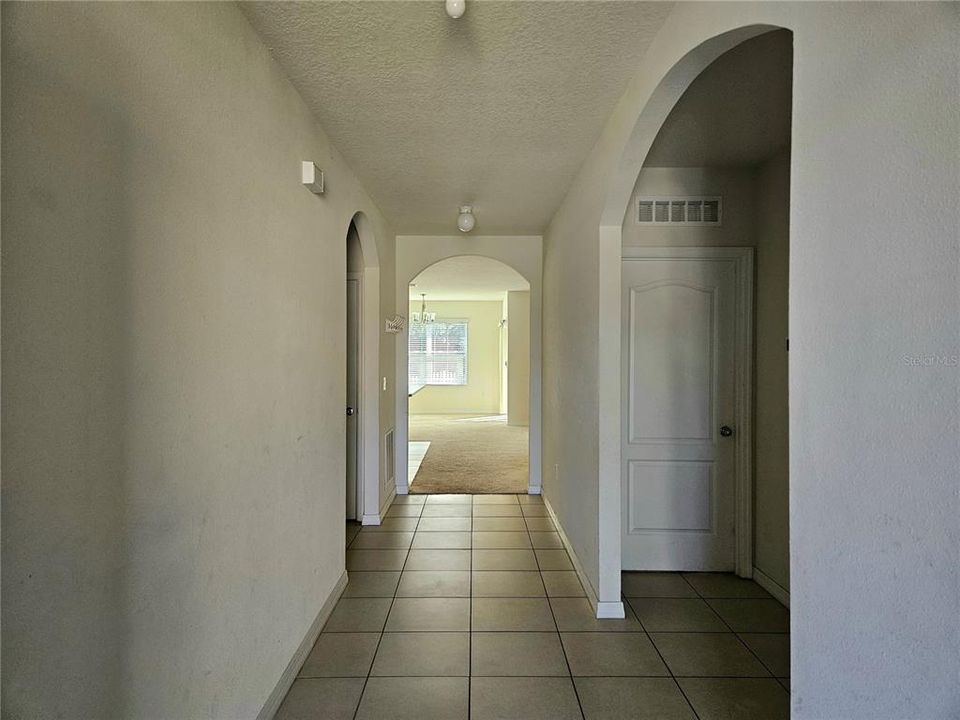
[(469, 454)]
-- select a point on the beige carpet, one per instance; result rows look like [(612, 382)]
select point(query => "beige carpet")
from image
[(470, 454)]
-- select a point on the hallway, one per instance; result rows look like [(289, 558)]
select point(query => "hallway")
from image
[(468, 606)]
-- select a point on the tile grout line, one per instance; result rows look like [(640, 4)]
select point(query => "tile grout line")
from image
[(706, 602), (566, 660), (383, 628), (660, 655), (470, 619)]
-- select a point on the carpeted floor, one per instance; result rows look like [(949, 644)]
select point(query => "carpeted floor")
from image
[(470, 454)]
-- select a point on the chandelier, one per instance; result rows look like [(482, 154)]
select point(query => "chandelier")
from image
[(423, 316)]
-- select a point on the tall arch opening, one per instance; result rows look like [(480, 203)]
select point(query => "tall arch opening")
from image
[(468, 369), (703, 277)]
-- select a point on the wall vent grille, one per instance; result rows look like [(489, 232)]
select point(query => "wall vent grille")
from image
[(388, 459), (696, 210)]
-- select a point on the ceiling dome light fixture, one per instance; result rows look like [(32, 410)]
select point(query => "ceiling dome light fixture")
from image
[(455, 8), (465, 220)]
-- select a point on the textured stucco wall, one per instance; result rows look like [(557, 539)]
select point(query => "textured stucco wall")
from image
[(874, 291), (173, 362)]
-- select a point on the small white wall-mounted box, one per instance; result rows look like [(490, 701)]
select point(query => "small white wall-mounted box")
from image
[(312, 177)]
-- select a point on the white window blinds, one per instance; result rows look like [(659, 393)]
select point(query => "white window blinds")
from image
[(438, 353)]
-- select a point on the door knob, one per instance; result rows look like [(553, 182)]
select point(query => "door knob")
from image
[(726, 431), (350, 411)]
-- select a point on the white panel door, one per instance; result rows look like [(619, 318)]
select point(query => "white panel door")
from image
[(679, 374)]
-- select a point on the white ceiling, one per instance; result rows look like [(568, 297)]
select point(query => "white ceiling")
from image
[(497, 109), (736, 113), (467, 278)]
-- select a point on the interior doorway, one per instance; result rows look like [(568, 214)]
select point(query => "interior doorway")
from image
[(686, 333), (354, 278), (704, 275), (468, 368)]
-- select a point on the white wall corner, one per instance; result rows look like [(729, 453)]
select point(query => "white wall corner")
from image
[(609, 470), (534, 490), (272, 705)]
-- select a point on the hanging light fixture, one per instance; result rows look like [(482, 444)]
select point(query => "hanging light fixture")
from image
[(423, 316)]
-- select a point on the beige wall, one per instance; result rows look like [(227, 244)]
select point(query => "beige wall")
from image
[(173, 362), (518, 358), (771, 472), (481, 394), (504, 354)]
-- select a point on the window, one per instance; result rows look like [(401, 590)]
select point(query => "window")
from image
[(438, 353)]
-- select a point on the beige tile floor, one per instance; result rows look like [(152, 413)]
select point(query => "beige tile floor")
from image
[(463, 606)]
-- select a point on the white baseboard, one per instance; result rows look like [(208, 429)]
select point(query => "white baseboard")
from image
[(533, 490), (290, 674), (377, 518), (771, 586), (389, 499), (601, 609)]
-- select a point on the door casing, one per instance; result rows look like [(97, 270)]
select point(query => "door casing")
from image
[(358, 419), (743, 381)]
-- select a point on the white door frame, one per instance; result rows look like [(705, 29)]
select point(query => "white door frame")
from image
[(359, 475), (743, 382)]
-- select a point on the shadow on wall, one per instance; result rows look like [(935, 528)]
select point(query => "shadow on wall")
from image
[(66, 322)]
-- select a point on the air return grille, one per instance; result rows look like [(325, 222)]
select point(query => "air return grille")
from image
[(388, 460), (699, 210)]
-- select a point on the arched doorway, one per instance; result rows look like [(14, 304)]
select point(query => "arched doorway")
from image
[(365, 478), (524, 255), (661, 100), (468, 370), (700, 257)]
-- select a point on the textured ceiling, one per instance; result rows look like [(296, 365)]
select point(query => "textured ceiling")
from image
[(497, 109), (736, 113), (467, 278)]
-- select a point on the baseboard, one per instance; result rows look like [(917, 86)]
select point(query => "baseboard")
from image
[(290, 674), (534, 490), (610, 610), (377, 518), (771, 586), (600, 609)]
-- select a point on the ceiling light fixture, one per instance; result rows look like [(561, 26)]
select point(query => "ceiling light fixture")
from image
[(465, 220), (455, 8), (423, 316)]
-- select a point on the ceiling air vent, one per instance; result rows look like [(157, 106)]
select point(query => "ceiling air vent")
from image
[(697, 210)]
